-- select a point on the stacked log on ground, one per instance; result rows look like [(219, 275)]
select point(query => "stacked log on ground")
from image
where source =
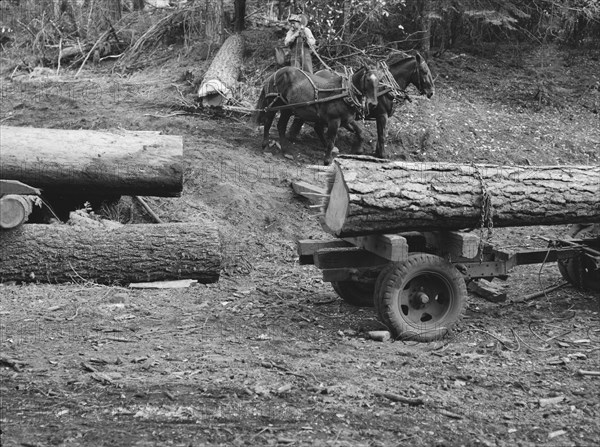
[(80, 162), (369, 196), (14, 210), (222, 76), (111, 254)]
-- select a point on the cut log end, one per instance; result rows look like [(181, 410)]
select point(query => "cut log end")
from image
[(336, 206), (213, 100), (14, 211)]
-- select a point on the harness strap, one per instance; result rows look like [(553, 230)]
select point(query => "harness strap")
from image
[(350, 93), (305, 103)]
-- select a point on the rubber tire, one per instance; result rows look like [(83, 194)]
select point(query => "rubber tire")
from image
[(582, 275), (358, 294), (382, 278), (422, 270)]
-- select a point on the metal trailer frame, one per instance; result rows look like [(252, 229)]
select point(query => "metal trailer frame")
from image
[(416, 280)]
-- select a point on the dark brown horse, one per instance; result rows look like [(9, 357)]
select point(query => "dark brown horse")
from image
[(401, 70), (327, 101)]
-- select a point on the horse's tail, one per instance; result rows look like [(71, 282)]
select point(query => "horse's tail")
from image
[(258, 117)]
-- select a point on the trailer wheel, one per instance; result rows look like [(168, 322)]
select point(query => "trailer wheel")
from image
[(583, 273), (422, 298), (381, 280), (358, 294)]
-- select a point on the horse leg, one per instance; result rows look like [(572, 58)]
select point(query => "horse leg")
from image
[(354, 127), (295, 128), (284, 118), (320, 131), (267, 127), (381, 124), (332, 130)]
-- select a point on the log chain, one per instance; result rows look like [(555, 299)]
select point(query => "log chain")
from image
[(487, 212)]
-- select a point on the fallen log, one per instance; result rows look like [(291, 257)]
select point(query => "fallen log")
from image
[(367, 196), (128, 253), (222, 75), (93, 162)]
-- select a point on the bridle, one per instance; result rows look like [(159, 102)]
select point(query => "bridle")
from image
[(419, 72)]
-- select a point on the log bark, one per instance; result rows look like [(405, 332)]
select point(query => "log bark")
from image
[(222, 76), (128, 253), (94, 162), (369, 196)]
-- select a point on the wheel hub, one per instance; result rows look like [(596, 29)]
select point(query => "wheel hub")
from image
[(419, 299)]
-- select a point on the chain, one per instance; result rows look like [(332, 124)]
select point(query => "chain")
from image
[(353, 93), (390, 82), (487, 212)]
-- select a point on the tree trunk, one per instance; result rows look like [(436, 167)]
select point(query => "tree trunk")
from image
[(214, 21), (129, 253), (422, 11), (221, 78), (93, 162), (239, 23), (111, 10), (368, 196)]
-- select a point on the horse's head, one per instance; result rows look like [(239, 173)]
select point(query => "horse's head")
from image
[(422, 78), (407, 69), (366, 81)]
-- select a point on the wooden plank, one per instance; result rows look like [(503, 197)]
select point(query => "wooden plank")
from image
[(308, 247), (351, 257), (392, 247), (453, 243), (315, 194)]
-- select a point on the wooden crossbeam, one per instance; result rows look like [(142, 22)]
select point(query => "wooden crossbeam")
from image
[(351, 257), (392, 247), (453, 243), (308, 247)]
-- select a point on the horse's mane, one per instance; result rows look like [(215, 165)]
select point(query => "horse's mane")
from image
[(397, 56)]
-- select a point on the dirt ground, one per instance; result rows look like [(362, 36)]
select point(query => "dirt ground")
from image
[(270, 355)]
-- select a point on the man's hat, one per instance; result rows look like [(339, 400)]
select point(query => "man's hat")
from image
[(295, 18)]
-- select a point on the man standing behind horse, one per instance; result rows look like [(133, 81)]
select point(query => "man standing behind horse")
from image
[(300, 39)]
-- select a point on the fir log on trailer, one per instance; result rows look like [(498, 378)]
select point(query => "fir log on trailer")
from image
[(222, 76), (369, 196), (96, 162), (128, 253)]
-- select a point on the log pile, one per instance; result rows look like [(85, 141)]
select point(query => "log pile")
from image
[(370, 196), (85, 164)]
